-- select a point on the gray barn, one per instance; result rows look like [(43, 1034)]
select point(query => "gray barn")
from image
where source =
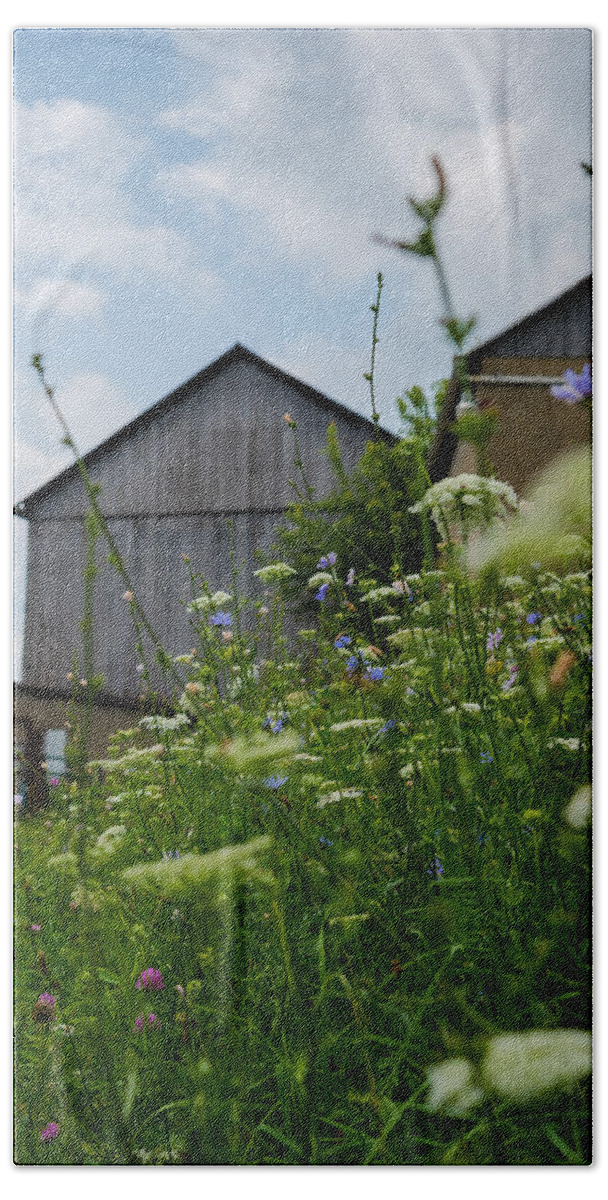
[(216, 450)]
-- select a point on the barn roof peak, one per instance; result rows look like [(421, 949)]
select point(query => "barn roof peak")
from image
[(237, 352)]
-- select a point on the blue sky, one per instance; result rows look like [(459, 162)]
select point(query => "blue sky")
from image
[(177, 191)]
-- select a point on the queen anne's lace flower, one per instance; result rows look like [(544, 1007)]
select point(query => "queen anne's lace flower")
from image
[(469, 502)]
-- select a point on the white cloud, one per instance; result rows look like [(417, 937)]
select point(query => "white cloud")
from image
[(339, 127), (93, 407), (72, 203), (61, 297)]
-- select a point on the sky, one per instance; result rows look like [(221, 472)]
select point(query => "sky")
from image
[(177, 191)]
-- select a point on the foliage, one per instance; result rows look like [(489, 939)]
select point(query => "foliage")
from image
[(336, 909), (366, 515)]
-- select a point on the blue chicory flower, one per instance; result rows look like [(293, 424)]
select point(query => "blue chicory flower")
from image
[(221, 618), (351, 665), (374, 674), (325, 842), (388, 725), (485, 757), (320, 596), (328, 560), (435, 868), (575, 387), (342, 640), (274, 782), (531, 641), (533, 618)]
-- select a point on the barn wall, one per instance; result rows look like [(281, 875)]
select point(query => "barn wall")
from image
[(153, 549), (224, 447), (224, 453)]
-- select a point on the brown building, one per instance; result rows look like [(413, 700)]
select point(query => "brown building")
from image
[(514, 372)]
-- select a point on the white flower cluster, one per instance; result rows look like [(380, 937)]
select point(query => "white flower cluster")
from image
[(274, 572), (163, 724), (110, 839), (470, 502), (355, 723), (380, 593), (319, 578), (204, 604), (518, 1067)]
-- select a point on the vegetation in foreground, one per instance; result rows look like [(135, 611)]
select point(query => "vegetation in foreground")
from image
[(335, 908)]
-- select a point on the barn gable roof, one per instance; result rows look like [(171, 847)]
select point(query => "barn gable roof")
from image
[(237, 353), (560, 328)]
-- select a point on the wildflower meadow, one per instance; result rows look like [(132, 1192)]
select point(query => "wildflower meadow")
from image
[(332, 906)]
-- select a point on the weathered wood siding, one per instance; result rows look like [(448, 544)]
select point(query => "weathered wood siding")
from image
[(222, 453), (563, 329), (222, 447)]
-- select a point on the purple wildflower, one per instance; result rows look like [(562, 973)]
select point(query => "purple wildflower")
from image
[(342, 640), (150, 979), (274, 782), (221, 618), (139, 1024), (153, 1021), (388, 725), (374, 674), (513, 669), (18, 800), (579, 617), (54, 782), (351, 665), (44, 1009), (485, 757), (328, 560), (435, 868), (350, 578), (320, 596), (494, 640), (50, 1131), (533, 618), (575, 387), (36, 928)]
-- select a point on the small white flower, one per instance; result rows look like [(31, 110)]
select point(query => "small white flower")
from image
[(578, 812), (334, 797), (451, 1087), (379, 593), (356, 723), (572, 744), (110, 839)]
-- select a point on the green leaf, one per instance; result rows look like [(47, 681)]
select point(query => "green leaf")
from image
[(130, 1094), (282, 1137), (106, 977)]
